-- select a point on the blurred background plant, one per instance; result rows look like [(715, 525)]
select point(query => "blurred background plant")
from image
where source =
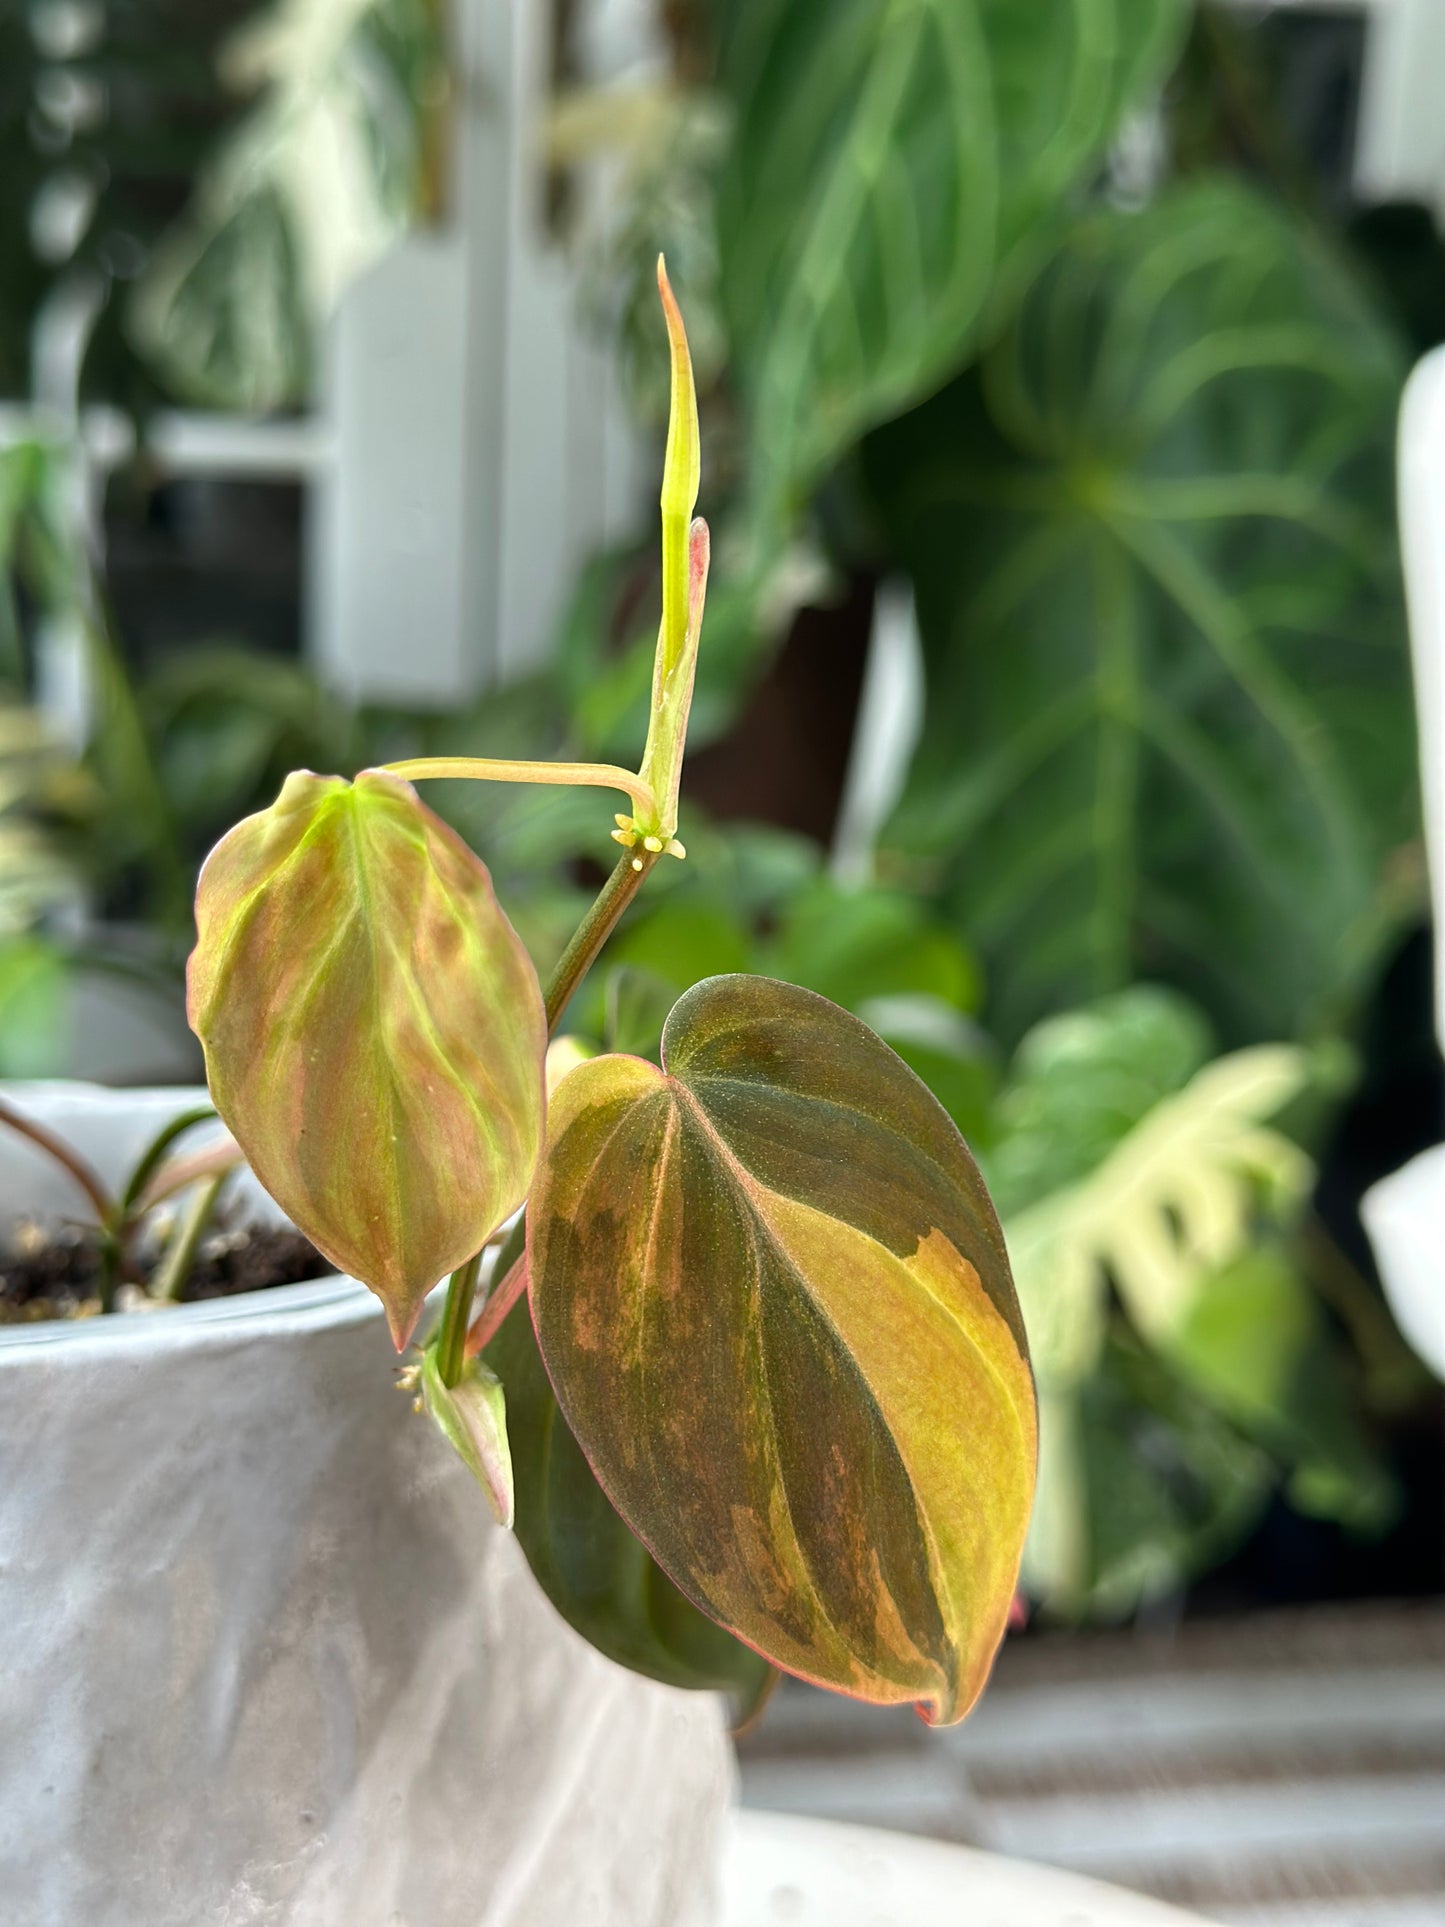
[(1055, 659), (197, 185)]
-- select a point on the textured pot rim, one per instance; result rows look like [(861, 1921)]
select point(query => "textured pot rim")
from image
[(282, 1311)]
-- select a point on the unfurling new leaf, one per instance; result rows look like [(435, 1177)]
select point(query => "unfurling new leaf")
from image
[(373, 1028), (472, 1417), (775, 1304)]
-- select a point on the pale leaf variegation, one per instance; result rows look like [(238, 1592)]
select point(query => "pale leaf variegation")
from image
[(1176, 1199)]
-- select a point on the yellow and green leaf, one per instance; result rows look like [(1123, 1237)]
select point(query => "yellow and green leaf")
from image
[(600, 1578), (774, 1302), (373, 1028)]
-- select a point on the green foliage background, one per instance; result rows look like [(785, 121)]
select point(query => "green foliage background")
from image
[(1152, 537)]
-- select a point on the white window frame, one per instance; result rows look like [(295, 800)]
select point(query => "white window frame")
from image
[(1400, 141), (469, 446)]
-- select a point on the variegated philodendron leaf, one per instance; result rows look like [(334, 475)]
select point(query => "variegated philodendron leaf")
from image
[(373, 1028), (599, 1576), (774, 1302)]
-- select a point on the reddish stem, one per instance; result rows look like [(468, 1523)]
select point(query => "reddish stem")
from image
[(181, 1172), (488, 1321), (69, 1160)]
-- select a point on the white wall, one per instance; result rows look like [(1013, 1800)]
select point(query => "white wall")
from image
[(482, 450)]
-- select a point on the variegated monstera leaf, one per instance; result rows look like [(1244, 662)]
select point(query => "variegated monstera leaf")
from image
[(775, 1304), (1145, 1189), (373, 1028), (1176, 1200)]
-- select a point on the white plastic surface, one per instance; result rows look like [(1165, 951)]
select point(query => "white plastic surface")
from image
[(784, 1872), (1422, 536), (1405, 1213), (1405, 1217), (267, 1661)]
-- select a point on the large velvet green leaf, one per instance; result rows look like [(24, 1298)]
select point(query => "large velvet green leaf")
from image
[(600, 1578), (775, 1305), (894, 161), (373, 1029), (1169, 729)]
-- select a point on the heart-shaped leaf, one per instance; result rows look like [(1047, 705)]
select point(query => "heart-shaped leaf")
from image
[(373, 1028), (774, 1302)]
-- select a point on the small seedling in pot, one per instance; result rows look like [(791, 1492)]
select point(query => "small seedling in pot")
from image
[(758, 1349), (145, 1243)]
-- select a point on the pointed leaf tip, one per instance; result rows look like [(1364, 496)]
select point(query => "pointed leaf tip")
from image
[(682, 463), (685, 554), (401, 1321), (373, 1029)]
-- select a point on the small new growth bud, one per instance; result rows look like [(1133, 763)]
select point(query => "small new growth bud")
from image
[(653, 843), (637, 863), (472, 1417)]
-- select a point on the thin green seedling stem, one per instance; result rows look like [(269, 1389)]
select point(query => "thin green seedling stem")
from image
[(116, 1217), (596, 927), (181, 1173), (180, 1253), (149, 1164)]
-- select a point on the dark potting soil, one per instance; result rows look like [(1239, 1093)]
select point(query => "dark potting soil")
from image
[(56, 1274)]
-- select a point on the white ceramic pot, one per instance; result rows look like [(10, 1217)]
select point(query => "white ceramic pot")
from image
[(267, 1662), (1405, 1212), (787, 1872), (1405, 1217)]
